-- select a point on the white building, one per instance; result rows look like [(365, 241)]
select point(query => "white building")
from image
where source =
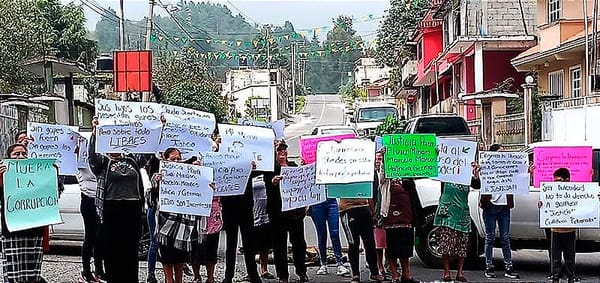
[(268, 90), (366, 70)]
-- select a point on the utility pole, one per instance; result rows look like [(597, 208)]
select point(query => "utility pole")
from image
[(146, 95), (268, 43), (122, 37), (293, 77)]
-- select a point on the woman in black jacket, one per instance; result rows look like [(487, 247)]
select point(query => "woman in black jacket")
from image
[(119, 203)]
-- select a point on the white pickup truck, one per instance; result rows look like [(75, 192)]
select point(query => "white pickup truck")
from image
[(524, 232)]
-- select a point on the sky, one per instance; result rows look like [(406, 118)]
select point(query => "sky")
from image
[(302, 14)]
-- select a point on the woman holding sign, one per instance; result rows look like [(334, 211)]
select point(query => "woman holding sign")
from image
[(454, 222), (119, 204), (22, 250)]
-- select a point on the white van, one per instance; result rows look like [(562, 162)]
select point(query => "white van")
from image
[(367, 116)]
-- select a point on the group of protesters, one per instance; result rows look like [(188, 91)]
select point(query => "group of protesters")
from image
[(116, 189)]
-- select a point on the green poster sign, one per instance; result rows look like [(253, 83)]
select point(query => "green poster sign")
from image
[(30, 194), (351, 190), (410, 155)]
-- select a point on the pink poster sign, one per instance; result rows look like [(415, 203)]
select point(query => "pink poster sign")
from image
[(577, 159), (308, 145)]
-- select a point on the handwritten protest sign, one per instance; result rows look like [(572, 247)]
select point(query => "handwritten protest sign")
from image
[(308, 145), (255, 142), (184, 188), (277, 126), (454, 160), (30, 194), (569, 205), (352, 190), (577, 159), (57, 142), (231, 171), (504, 172), (188, 130), (410, 155), (130, 127), (82, 151), (298, 187), (345, 162)]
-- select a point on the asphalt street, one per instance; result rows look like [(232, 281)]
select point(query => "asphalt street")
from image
[(63, 263)]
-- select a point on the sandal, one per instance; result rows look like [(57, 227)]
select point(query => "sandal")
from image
[(267, 275), (447, 278), (461, 278)]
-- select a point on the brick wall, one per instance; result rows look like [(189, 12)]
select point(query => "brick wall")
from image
[(499, 17)]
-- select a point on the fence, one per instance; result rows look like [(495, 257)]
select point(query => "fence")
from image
[(9, 122), (509, 130)]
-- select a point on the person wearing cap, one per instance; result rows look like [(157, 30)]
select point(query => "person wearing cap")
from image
[(284, 223)]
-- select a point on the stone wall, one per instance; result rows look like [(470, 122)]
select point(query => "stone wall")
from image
[(499, 17)]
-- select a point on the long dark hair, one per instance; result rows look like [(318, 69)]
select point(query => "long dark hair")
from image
[(12, 147)]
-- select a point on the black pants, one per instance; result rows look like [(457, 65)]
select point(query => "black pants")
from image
[(239, 218), (281, 227), (91, 244), (563, 245), (358, 224), (121, 231)]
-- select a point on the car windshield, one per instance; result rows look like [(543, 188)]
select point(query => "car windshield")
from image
[(375, 114), (336, 131)]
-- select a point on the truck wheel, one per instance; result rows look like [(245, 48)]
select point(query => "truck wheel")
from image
[(427, 245)]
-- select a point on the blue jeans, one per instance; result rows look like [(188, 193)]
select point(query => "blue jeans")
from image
[(491, 215), (323, 215), (153, 249)]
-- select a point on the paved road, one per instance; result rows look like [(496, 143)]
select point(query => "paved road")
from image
[(63, 264)]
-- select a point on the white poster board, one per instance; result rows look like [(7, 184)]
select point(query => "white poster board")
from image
[(127, 127), (256, 142), (298, 187), (277, 126), (454, 160), (82, 152), (504, 172), (231, 171), (56, 142), (349, 161), (569, 205), (188, 130), (185, 189)]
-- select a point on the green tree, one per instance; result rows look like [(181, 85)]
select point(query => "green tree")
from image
[(186, 81), (32, 28)]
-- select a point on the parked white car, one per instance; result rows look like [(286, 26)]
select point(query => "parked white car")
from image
[(524, 230), (333, 130)]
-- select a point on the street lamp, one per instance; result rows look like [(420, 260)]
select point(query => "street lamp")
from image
[(528, 87)]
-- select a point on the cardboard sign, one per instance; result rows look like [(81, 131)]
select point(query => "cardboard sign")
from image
[(277, 126), (256, 142), (504, 172), (569, 205), (127, 127), (231, 171), (30, 194), (188, 130), (308, 145), (185, 189), (353, 190), (454, 160), (298, 187), (577, 159), (410, 155), (82, 153), (56, 142), (349, 161)]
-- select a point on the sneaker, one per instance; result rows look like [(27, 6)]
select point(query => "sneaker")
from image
[(86, 276), (322, 270), (342, 271), (510, 273), (574, 279), (489, 273)]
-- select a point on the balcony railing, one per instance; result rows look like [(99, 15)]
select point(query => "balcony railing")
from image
[(575, 102)]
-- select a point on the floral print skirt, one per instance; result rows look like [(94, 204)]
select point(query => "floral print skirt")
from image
[(453, 242)]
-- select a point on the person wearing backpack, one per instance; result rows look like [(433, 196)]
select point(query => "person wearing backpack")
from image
[(119, 205)]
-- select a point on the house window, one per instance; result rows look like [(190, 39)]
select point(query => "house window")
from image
[(556, 83), (575, 78), (554, 10)]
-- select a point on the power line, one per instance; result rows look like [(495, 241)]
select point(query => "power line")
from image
[(180, 26)]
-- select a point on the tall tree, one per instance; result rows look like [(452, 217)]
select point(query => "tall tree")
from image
[(186, 81)]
